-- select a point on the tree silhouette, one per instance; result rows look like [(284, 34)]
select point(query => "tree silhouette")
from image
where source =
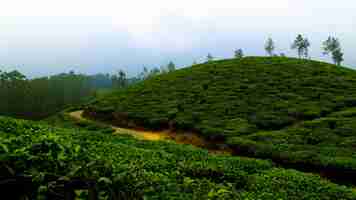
[(269, 47), (302, 46), (209, 57), (332, 46), (239, 54)]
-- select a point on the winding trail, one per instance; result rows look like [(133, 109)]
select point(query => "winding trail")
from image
[(181, 138), (145, 135)]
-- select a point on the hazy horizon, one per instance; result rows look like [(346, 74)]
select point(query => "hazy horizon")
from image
[(42, 38)]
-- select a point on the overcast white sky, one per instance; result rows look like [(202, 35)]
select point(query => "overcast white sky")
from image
[(41, 37)]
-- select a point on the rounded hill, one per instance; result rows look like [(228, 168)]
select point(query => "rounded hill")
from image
[(232, 97)]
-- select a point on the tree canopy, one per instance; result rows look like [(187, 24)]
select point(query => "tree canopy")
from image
[(269, 47), (239, 54), (332, 46), (302, 45)]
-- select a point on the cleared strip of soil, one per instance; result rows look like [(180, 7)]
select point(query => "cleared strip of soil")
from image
[(180, 138)]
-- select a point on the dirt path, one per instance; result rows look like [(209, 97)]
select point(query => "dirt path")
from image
[(146, 135), (181, 138)]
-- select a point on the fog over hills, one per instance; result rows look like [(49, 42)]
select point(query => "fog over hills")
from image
[(48, 38)]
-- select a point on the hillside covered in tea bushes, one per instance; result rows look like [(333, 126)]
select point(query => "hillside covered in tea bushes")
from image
[(289, 110), (237, 96)]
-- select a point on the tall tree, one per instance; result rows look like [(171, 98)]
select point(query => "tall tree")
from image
[(269, 46), (239, 54), (171, 66), (306, 48), (40, 97), (122, 78), (144, 74), (119, 80), (209, 57), (145, 70), (332, 46), (155, 71), (302, 46), (338, 56)]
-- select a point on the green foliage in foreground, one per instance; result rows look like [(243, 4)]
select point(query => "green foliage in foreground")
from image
[(133, 169)]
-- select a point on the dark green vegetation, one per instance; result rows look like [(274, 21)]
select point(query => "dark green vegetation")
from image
[(41, 97), (131, 169), (326, 144), (291, 110)]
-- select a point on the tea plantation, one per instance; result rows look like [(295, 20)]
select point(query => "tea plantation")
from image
[(292, 111), (324, 143), (126, 168)]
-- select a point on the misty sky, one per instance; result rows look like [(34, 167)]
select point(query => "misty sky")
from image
[(42, 37)]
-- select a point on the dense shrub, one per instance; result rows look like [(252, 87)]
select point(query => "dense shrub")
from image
[(126, 168)]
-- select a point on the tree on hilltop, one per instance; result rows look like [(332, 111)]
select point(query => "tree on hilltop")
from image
[(302, 46), (171, 66), (209, 57), (332, 46), (269, 47), (239, 54)]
